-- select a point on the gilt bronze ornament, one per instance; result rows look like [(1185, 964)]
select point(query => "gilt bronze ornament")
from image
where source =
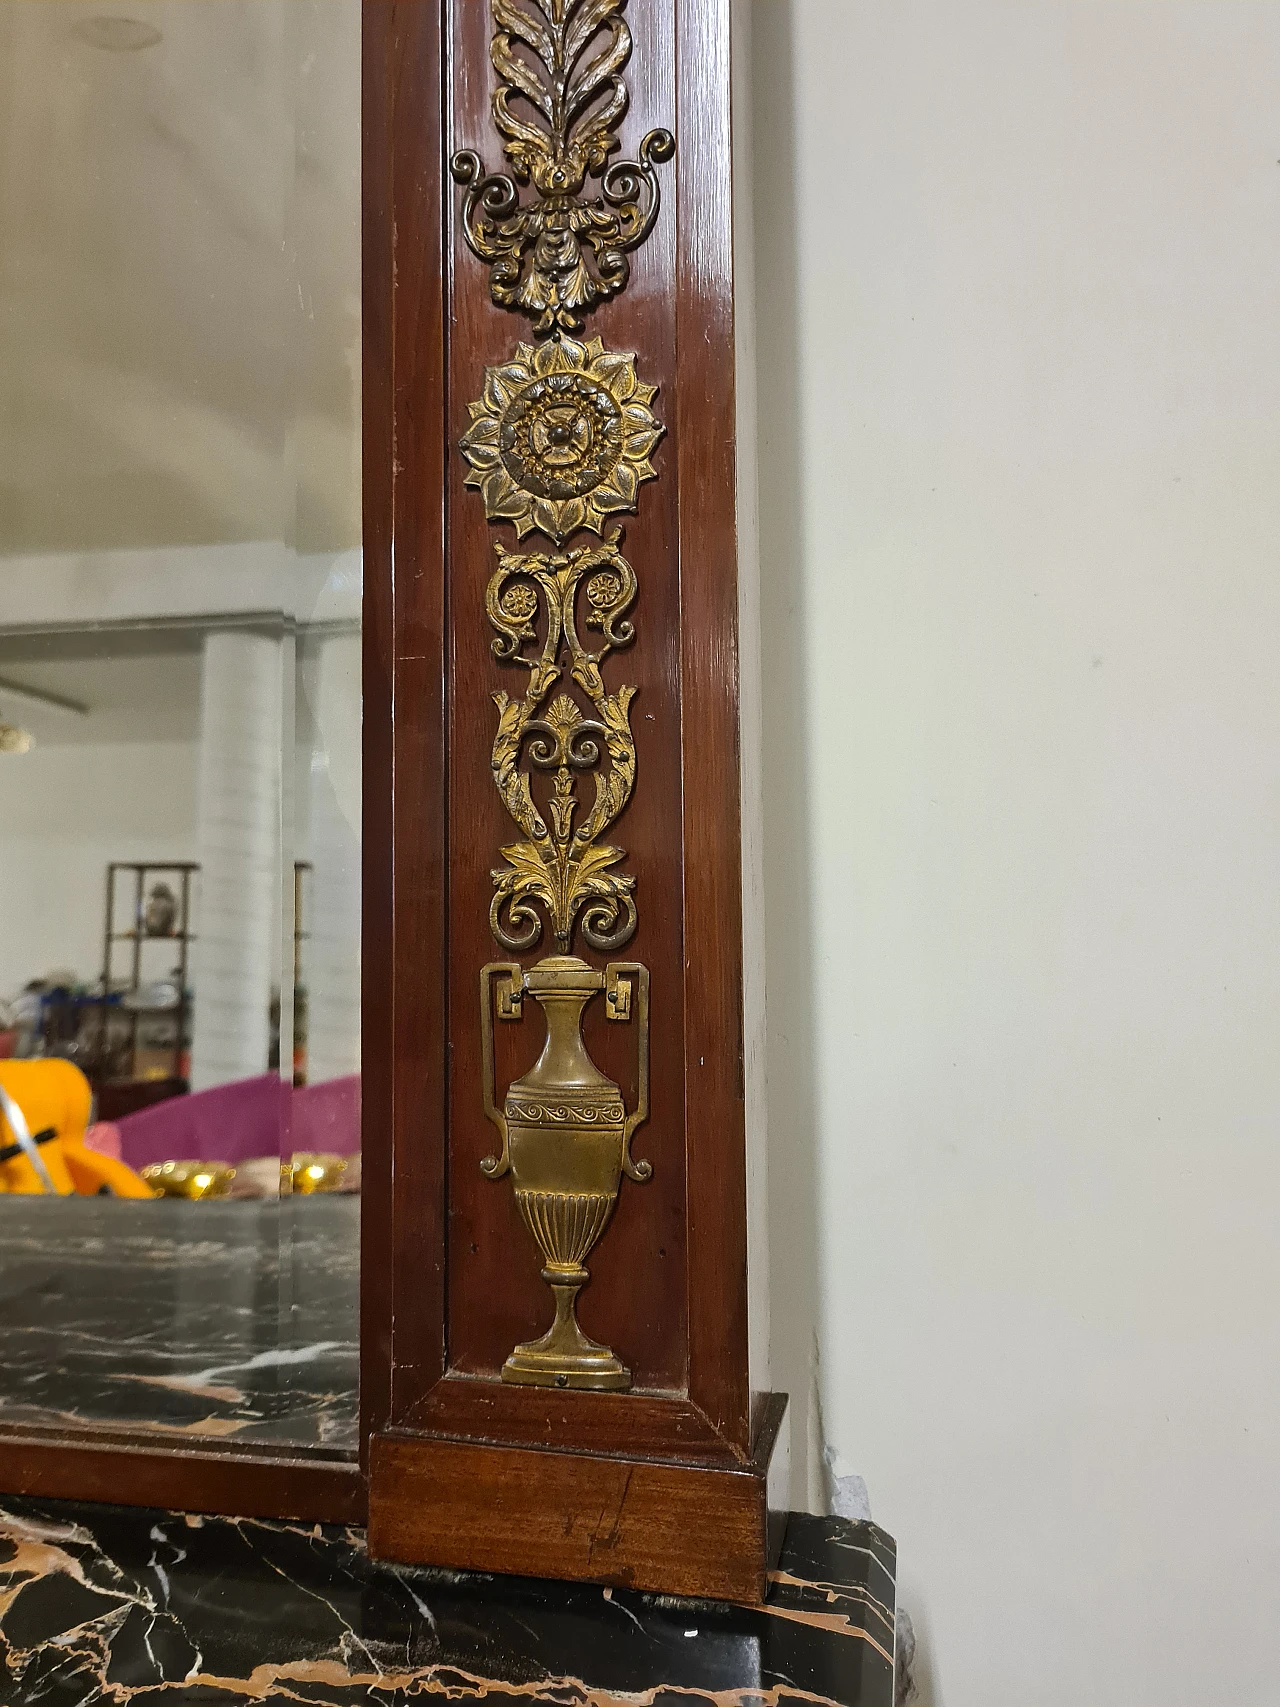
[(562, 865), (561, 437), (556, 258), (560, 440), (566, 1142), (566, 1135)]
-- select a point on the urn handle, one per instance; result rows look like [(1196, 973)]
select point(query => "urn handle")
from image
[(510, 1000), (617, 1005)]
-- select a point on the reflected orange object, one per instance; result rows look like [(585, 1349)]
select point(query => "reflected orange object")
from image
[(55, 1099)]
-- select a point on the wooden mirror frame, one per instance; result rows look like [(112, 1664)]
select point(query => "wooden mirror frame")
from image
[(442, 1450)]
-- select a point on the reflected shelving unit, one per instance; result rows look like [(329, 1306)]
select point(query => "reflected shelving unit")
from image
[(145, 1079)]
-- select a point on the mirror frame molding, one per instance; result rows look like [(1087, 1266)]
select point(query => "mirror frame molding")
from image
[(708, 1484)]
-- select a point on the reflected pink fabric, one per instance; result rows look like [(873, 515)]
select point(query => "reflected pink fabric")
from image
[(327, 1116), (251, 1117), (105, 1139)]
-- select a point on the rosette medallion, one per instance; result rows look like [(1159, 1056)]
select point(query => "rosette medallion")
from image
[(561, 437)]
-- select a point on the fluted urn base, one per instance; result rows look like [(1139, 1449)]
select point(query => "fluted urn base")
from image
[(564, 1356), (565, 1226)]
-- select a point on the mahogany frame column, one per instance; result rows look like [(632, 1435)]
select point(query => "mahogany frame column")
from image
[(667, 1486)]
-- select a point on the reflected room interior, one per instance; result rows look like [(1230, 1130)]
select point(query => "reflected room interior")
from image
[(180, 589)]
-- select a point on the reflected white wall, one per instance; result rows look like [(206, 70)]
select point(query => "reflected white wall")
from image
[(68, 811), (332, 950), (238, 848)]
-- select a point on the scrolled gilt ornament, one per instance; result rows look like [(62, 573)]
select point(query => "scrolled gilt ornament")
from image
[(562, 864), (559, 257), (561, 437)]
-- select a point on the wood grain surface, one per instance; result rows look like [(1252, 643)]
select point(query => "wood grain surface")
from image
[(690, 1529)]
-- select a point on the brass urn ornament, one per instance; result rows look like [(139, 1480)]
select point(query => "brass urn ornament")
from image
[(566, 1142), (560, 440)]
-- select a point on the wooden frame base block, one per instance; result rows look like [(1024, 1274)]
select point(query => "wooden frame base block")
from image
[(702, 1530), (109, 1470)]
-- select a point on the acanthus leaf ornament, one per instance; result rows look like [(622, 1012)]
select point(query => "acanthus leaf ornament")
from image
[(562, 865), (559, 257), (561, 438)]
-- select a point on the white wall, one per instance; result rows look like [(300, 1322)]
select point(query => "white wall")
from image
[(65, 813), (1020, 437)]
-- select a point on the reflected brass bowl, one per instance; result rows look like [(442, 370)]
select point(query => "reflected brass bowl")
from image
[(192, 1180), (308, 1172)]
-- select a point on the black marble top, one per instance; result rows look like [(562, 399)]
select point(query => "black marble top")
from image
[(106, 1605), (218, 1318)]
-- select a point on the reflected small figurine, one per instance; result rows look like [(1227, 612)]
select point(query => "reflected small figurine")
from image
[(160, 914)]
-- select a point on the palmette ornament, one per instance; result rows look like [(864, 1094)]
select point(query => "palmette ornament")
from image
[(562, 255)]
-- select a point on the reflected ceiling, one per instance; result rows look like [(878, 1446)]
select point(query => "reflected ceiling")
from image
[(179, 274)]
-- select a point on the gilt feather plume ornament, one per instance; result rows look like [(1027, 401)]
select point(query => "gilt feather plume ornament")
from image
[(559, 101)]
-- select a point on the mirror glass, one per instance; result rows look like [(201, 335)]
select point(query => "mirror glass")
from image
[(180, 585)]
